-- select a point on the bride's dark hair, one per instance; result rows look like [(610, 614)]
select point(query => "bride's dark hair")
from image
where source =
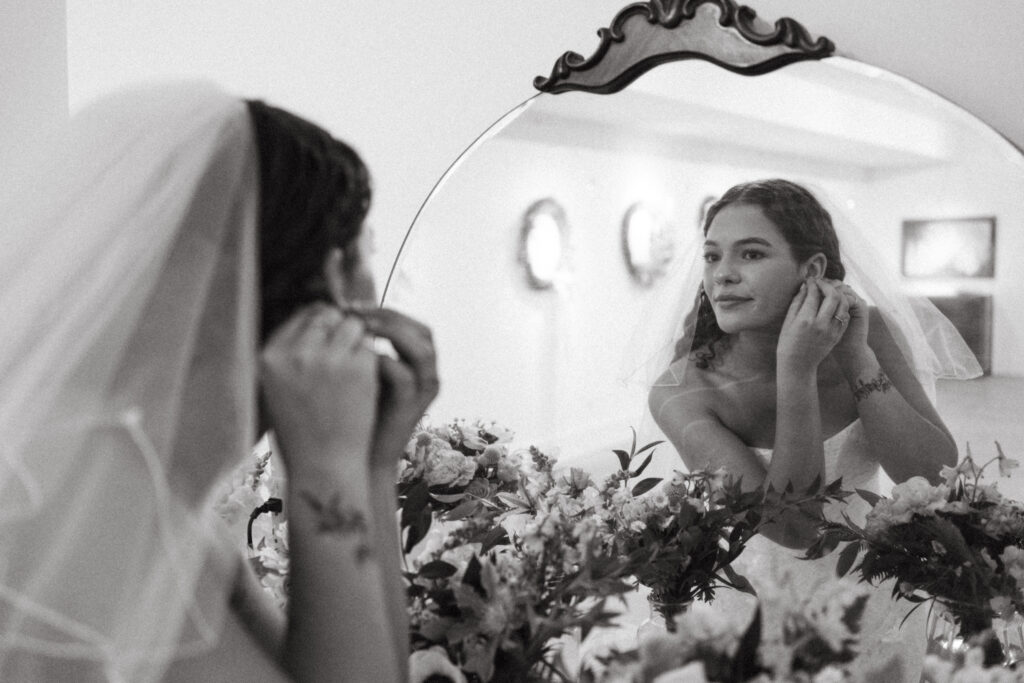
[(804, 223), (314, 195)]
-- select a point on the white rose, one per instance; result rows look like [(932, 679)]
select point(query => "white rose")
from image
[(432, 662), (691, 673)]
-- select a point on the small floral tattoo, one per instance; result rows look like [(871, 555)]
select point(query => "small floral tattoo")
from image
[(336, 519), (865, 389)]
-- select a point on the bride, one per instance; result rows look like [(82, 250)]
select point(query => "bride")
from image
[(175, 254), (783, 374)]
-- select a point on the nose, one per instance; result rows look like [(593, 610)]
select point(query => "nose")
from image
[(725, 273)]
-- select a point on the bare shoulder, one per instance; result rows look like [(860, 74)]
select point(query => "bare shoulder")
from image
[(680, 395)]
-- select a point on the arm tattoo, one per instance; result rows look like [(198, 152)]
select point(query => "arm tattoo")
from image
[(334, 518), (865, 389)]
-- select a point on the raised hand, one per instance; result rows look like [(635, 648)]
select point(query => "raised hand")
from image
[(815, 322), (408, 384), (320, 386), (855, 338)]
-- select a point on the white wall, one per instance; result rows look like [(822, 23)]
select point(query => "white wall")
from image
[(33, 71), (410, 84)]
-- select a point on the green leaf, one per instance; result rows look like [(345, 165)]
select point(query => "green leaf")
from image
[(871, 497), (650, 446), (846, 559), (463, 510), (640, 470), (417, 528), (646, 485), (438, 569), (472, 577), (738, 581), (835, 487), (745, 663), (513, 501), (417, 498), (448, 497), (496, 536), (623, 459)]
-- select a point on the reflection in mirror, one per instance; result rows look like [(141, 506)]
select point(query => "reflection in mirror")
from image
[(542, 243), (553, 368), (648, 243)]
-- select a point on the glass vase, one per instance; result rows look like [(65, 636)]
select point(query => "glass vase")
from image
[(662, 618)]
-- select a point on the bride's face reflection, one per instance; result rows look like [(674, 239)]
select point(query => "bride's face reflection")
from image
[(554, 366), (750, 273)]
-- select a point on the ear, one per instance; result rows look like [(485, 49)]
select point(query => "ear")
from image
[(334, 276), (814, 266)]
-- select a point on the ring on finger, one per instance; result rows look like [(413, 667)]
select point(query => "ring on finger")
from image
[(841, 319)]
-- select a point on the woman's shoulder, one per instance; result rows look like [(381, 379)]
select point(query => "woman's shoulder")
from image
[(687, 389)]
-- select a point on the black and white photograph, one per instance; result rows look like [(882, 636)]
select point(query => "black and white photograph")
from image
[(601, 341)]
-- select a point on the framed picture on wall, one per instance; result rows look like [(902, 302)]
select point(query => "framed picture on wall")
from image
[(957, 247)]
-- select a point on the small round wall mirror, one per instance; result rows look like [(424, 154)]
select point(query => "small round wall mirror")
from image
[(647, 243), (542, 243)]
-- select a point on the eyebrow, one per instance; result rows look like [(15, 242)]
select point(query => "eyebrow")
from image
[(743, 242)]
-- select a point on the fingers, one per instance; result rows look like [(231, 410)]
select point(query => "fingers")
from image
[(833, 305), (798, 302), (412, 341)]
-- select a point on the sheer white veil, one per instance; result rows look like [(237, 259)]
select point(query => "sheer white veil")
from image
[(930, 343), (127, 380)]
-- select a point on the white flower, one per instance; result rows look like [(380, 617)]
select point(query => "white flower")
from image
[(449, 467), (432, 662), (949, 474), (691, 673), (491, 455), (509, 467), (915, 496), (1013, 559), (830, 674), (1006, 465), (710, 628)]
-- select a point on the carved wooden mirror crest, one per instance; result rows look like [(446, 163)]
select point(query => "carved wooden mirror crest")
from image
[(646, 34)]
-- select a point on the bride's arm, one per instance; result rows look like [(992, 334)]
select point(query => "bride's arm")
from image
[(704, 442), (320, 389), (904, 431)]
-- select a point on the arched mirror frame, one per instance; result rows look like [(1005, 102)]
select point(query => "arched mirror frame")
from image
[(647, 34)]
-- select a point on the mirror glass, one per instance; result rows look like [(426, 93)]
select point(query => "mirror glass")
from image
[(648, 243), (550, 364)]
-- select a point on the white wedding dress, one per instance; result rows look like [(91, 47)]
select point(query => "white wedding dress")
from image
[(888, 651)]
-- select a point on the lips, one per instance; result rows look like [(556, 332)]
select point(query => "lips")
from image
[(730, 301)]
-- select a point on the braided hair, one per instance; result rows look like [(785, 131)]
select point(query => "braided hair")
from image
[(314, 196), (805, 225)]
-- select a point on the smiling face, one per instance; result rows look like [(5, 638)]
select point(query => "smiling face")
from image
[(750, 273)]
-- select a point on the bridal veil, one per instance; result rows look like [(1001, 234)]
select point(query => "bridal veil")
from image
[(127, 380), (929, 342)]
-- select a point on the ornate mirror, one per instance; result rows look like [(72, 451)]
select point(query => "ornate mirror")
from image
[(683, 99)]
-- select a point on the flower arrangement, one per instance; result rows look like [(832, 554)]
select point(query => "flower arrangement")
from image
[(495, 603), (505, 555), (247, 490), (680, 539), (798, 633), (957, 543), (969, 666), (454, 471)]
